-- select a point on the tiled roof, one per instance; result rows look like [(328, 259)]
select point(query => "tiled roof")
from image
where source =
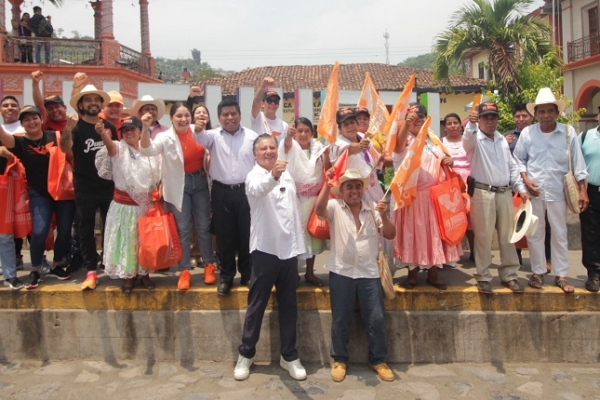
[(352, 76)]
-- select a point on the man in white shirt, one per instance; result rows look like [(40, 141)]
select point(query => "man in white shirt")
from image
[(230, 148), (542, 149), (276, 239), (353, 269), (9, 108), (495, 173), (265, 121)]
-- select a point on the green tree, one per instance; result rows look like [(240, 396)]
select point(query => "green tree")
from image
[(196, 56), (499, 27), (423, 61)]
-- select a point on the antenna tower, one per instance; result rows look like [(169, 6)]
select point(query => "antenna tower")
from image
[(386, 35)]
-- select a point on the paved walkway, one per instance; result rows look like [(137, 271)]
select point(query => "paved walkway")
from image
[(90, 380)]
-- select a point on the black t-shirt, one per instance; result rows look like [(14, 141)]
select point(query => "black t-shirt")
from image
[(34, 22), (35, 157), (86, 143)]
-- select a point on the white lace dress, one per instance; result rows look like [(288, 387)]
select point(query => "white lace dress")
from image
[(137, 176)]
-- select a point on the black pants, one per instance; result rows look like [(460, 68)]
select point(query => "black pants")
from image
[(590, 232), (86, 215), (268, 271), (231, 222)]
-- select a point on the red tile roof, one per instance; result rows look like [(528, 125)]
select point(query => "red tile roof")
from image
[(352, 76)]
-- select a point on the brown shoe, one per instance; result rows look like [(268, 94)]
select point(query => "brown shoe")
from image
[(514, 285), (383, 372), (338, 371)]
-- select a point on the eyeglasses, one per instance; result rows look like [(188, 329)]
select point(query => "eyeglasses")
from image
[(272, 101)]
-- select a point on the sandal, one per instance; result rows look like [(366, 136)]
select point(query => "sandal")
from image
[(536, 281), (128, 285), (146, 282), (313, 281), (564, 285)]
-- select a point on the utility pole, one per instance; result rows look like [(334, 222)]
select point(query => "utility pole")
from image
[(386, 35)]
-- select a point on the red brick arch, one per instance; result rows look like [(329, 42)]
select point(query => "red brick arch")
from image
[(585, 92)]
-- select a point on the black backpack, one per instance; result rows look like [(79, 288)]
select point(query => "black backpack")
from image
[(45, 29)]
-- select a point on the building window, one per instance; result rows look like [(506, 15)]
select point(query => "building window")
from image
[(481, 68)]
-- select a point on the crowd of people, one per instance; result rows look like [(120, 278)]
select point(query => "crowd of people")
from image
[(243, 197)]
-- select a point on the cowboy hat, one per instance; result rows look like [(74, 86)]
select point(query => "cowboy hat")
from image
[(349, 175), (525, 223), (545, 96), (89, 89), (147, 99)]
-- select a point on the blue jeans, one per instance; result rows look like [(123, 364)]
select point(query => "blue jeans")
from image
[(42, 208), (38, 51), (344, 292), (8, 256), (196, 205)]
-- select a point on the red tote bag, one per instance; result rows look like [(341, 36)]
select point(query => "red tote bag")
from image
[(449, 206), (159, 240), (6, 201), (60, 174), (22, 225)]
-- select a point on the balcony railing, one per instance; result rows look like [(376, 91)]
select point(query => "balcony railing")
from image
[(585, 47), (70, 52)]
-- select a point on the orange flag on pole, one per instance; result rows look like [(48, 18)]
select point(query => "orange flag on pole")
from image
[(476, 101), (404, 183), (398, 115), (327, 127), (369, 98), (339, 168)]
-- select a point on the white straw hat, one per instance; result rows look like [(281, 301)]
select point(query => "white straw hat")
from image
[(525, 223), (545, 96), (350, 175), (147, 99), (89, 89)]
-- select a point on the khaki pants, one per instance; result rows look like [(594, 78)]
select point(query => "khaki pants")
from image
[(491, 211)]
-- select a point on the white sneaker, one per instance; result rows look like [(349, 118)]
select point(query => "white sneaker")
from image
[(295, 369), (242, 368)]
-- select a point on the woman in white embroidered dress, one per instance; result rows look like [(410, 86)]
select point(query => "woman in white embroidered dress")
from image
[(135, 178), (306, 157)]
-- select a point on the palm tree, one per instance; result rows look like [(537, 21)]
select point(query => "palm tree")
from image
[(499, 27)]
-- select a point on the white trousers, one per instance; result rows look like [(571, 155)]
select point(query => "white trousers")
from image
[(557, 217)]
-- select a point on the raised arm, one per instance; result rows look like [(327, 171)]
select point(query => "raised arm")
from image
[(145, 140), (79, 81), (195, 91), (6, 139), (66, 139), (323, 197), (388, 229), (470, 134), (38, 99), (411, 117), (257, 102)]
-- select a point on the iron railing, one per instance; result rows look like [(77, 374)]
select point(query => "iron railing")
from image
[(582, 48), (70, 52)]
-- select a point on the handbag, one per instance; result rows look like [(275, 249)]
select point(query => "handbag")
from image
[(22, 225), (60, 174), (387, 282), (158, 238), (448, 203), (6, 202), (571, 186)]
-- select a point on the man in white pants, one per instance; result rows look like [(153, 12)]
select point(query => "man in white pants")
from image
[(542, 149)]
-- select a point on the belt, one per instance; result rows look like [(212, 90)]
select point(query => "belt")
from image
[(593, 187), (122, 197), (490, 188), (228, 186), (195, 172)]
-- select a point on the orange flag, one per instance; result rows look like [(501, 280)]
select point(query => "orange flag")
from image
[(369, 98), (398, 115), (476, 101), (327, 127), (339, 168), (404, 183)]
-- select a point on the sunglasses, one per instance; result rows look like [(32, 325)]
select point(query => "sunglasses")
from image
[(272, 101)]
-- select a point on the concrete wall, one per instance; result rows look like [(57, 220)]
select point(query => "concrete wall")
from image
[(185, 336)]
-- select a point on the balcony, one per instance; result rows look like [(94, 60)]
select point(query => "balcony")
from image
[(585, 47), (72, 52)]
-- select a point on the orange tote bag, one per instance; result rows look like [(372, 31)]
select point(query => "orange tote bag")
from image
[(60, 174), (449, 206)]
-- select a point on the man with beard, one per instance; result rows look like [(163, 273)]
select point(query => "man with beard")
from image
[(91, 192)]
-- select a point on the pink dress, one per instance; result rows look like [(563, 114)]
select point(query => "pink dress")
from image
[(459, 155), (418, 242)]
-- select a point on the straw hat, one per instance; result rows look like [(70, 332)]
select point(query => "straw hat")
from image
[(545, 96), (89, 89), (147, 99), (525, 222), (349, 175)]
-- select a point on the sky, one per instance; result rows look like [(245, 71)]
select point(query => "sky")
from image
[(238, 34)]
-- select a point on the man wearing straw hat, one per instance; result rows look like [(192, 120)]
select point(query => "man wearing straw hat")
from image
[(494, 172), (542, 149), (83, 137), (156, 108), (354, 227)]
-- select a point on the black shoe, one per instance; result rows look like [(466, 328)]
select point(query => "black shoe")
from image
[(514, 286), (14, 283), (20, 265), (593, 284), (34, 280), (245, 281), (484, 287), (59, 273), (224, 288)]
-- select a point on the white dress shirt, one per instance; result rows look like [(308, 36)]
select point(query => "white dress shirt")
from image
[(231, 156), (353, 254), (275, 226), (545, 159), (491, 160)]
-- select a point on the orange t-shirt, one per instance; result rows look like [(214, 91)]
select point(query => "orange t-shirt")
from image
[(116, 124), (193, 153)]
